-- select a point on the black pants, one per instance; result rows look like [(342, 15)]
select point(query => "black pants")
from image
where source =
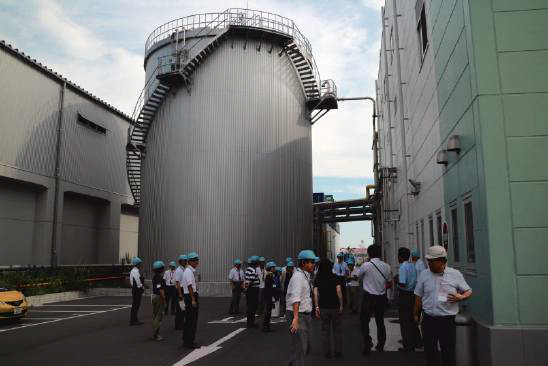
[(408, 327), (179, 313), (136, 294), (373, 305), (442, 330), (171, 299), (235, 302), (252, 299), (267, 314), (191, 320)]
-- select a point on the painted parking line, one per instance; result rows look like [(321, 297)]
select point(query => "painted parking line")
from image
[(61, 319)]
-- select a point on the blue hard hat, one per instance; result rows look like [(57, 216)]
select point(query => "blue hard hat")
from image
[(290, 264), (158, 265), (136, 260), (253, 259), (278, 269), (350, 260), (182, 257), (172, 264), (192, 256), (307, 255), (341, 254), (288, 259), (237, 261), (270, 264), (415, 253), (262, 259)]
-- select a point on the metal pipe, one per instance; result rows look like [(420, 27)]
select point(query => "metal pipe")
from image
[(57, 173), (375, 150)]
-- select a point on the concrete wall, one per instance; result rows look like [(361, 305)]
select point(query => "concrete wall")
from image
[(90, 164)]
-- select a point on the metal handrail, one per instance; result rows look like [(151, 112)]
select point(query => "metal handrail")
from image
[(237, 17)]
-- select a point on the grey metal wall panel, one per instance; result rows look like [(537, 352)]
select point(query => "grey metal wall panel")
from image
[(88, 157), (29, 105), (228, 170)]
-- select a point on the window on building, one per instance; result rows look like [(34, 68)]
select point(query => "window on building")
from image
[(91, 125), (469, 227), (421, 27), (438, 227), (431, 227), (455, 234)]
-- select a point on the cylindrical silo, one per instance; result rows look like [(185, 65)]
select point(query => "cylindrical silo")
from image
[(224, 141)]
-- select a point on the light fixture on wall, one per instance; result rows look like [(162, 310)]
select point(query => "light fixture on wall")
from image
[(454, 144), (416, 187), (441, 157)]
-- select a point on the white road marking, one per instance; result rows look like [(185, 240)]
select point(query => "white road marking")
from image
[(40, 318), (227, 319), (62, 311), (87, 305), (60, 319), (204, 351)]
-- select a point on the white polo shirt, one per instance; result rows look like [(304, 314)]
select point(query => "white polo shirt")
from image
[(373, 281), (299, 290), (433, 289), (189, 279), (179, 275)]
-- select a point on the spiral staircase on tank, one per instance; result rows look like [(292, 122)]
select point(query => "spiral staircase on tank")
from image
[(176, 69)]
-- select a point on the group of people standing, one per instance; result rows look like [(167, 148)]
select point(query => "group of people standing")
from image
[(426, 296), (175, 287)]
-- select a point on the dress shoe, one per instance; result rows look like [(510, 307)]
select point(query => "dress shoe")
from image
[(192, 346)]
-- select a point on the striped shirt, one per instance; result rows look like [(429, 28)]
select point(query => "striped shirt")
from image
[(251, 277)]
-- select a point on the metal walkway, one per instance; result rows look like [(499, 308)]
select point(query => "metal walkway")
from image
[(176, 70), (343, 211)]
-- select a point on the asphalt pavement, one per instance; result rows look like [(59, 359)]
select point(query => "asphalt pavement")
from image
[(96, 331)]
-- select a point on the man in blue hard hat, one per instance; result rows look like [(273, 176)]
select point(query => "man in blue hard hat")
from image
[(353, 286), (158, 299), (137, 290), (171, 291), (180, 309), (252, 290), (269, 295), (236, 278), (340, 269), (417, 261), (299, 304), (191, 301)]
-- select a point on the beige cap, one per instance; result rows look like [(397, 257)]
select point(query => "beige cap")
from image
[(435, 252)]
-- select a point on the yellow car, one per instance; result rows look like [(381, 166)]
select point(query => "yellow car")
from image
[(13, 304)]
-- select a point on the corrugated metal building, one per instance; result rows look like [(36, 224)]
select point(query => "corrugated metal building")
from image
[(63, 184), (222, 154)]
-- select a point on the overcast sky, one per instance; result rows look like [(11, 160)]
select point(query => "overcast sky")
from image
[(99, 45)]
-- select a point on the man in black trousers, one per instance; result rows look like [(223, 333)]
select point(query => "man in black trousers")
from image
[(252, 290), (191, 302), (137, 290), (439, 290)]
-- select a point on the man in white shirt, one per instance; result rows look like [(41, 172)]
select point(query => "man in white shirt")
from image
[(137, 290), (376, 278), (191, 301), (299, 304), (236, 278), (171, 292), (179, 289), (438, 292), (261, 273)]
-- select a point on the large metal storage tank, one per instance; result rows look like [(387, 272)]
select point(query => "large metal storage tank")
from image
[(220, 159)]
